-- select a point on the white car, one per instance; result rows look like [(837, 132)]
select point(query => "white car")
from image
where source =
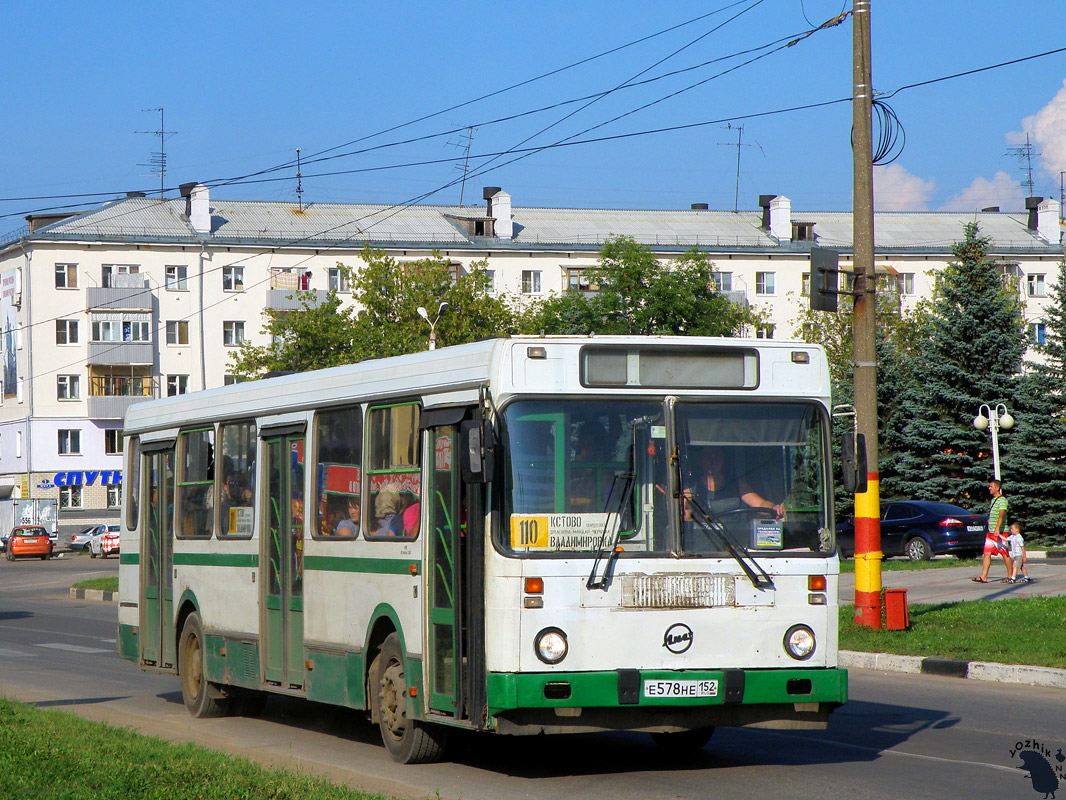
[(104, 541), (81, 539)]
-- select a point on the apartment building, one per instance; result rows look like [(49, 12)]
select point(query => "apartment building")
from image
[(147, 297)]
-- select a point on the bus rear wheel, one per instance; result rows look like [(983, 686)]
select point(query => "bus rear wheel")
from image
[(683, 741), (408, 741), (202, 698)]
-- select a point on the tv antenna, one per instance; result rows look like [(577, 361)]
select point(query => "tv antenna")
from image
[(740, 144), (466, 158), (158, 161), (1024, 153), (299, 183)]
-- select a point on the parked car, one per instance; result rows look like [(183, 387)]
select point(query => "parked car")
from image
[(29, 541), (53, 537), (919, 530), (104, 541), (80, 540)]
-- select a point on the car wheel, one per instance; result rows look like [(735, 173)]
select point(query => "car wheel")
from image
[(918, 549), (92, 554), (408, 741), (202, 697)]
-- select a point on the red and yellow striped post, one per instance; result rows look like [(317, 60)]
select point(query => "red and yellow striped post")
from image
[(868, 555)]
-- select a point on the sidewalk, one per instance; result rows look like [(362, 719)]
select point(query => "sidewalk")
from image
[(952, 584)]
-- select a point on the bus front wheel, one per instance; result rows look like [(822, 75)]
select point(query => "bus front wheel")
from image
[(202, 698), (408, 741)]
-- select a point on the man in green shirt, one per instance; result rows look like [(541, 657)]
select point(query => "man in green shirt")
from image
[(995, 537)]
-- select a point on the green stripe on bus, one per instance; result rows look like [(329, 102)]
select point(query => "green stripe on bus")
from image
[(376, 566), (129, 558), (508, 691), (216, 559)]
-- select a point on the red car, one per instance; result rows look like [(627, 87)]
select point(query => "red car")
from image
[(28, 541)]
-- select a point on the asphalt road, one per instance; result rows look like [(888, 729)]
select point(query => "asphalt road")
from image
[(900, 736)]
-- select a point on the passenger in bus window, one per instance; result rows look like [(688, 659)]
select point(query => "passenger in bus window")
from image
[(387, 504), (350, 526), (719, 491), (406, 524)]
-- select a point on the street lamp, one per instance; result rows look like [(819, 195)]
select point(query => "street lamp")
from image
[(432, 323), (986, 418)]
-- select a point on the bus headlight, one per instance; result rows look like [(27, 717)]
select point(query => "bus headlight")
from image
[(550, 645), (799, 642)]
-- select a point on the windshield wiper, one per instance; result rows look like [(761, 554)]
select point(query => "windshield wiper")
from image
[(618, 498), (710, 524)]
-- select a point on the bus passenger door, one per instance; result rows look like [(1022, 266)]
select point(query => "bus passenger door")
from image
[(444, 558), (281, 567), (157, 547)]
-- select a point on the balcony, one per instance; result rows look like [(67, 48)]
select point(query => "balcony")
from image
[(110, 396), (125, 353), (131, 293), (290, 299)]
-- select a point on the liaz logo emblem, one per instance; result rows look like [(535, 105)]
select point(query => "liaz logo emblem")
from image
[(678, 638)]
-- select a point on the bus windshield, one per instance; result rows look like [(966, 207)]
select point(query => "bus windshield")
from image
[(702, 472)]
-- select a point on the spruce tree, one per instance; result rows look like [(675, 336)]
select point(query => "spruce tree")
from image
[(972, 356)]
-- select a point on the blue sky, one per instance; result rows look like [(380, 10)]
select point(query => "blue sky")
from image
[(244, 84)]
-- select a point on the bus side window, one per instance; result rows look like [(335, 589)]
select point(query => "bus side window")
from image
[(339, 444), (196, 484), (394, 478), (236, 487)]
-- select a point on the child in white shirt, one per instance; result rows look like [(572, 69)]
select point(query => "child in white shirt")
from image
[(1016, 544)]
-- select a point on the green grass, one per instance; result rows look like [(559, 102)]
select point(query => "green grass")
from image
[(1024, 631), (54, 755), (107, 584), (903, 564)]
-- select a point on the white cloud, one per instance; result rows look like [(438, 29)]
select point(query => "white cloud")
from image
[(1002, 191), (1047, 131), (895, 189)]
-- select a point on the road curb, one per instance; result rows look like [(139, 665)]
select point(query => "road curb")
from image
[(99, 595), (975, 670)]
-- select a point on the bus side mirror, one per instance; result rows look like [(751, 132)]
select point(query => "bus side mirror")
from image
[(475, 455), (853, 463)]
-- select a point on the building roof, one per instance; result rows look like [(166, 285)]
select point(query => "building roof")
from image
[(283, 224)]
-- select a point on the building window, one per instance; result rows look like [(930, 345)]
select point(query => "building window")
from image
[(233, 279), (531, 281), (764, 283), (723, 281), (490, 282), (177, 332), (847, 283), (338, 280), (906, 282), (66, 276), (109, 271), (805, 285), (1036, 286), (114, 496), (66, 331), (577, 281), (177, 277), (230, 380), (232, 333), (177, 384), (68, 387), (764, 331), (69, 442), (1038, 333), (113, 441), (70, 497), (113, 330)]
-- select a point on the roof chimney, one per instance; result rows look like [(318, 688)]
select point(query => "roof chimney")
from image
[(1031, 205), (777, 216), (1047, 221), (498, 204), (700, 206), (197, 206)]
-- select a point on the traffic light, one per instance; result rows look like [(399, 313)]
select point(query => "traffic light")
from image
[(824, 272)]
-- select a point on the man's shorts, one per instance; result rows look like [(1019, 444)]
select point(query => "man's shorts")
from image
[(994, 546)]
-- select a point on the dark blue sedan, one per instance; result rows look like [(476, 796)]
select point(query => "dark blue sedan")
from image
[(920, 530)]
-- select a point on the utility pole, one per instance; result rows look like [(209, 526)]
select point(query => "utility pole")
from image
[(867, 504)]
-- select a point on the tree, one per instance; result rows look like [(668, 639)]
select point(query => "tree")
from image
[(636, 293), (1037, 445), (972, 355), (382, 321)]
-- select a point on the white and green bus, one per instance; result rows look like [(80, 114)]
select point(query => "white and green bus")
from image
[(522, 536)]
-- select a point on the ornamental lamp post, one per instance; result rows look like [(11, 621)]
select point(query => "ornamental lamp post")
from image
[(993, 418), (432, 323)]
